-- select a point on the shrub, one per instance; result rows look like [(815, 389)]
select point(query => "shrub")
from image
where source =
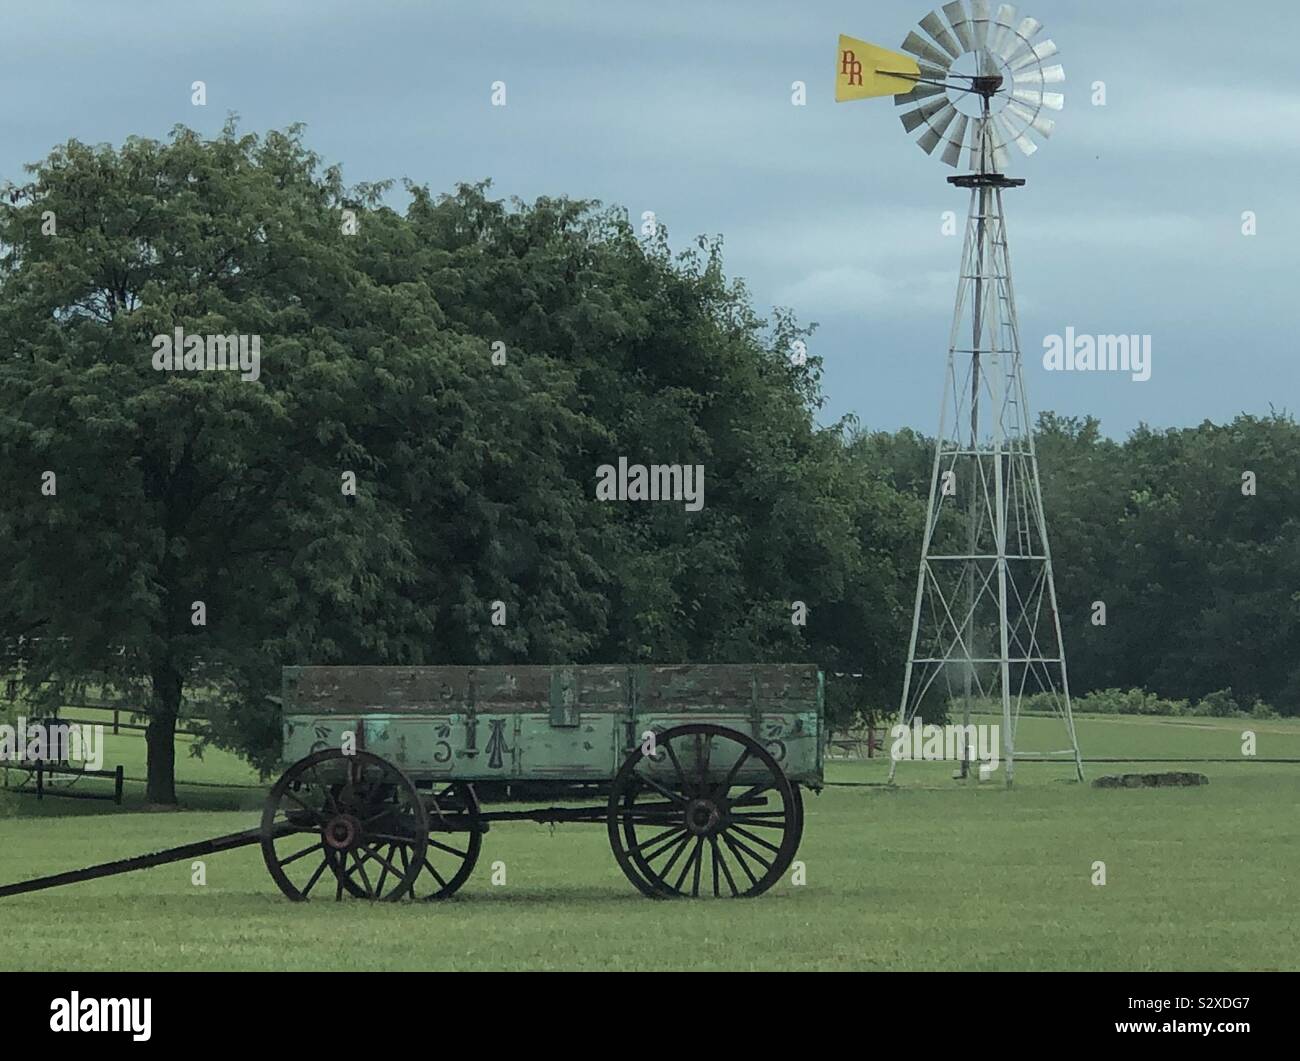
[(1219, 704), (1263, 710)]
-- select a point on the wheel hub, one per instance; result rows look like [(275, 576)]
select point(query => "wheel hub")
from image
[(341, 832), (702, 816)]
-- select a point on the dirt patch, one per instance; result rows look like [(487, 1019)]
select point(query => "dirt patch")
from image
[(1166, 780)]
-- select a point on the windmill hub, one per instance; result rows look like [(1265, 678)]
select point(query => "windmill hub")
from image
[(970, 81)]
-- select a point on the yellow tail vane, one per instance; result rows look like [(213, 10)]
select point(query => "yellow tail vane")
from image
[(864, 70)]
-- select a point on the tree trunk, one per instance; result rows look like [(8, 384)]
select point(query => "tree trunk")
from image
[(160, 737)]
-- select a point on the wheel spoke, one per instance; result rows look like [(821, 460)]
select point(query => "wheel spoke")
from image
[(752, 853), (315, 876), (436, 875), (387, 866), (681, 774), (761, 821), (756, 839), (735, 769), (686, 867), (674, 796), (370, 892), (668, 866), (655, 839), (650, 856), (448, 848), (722, 861), (740, 860), (406, 868), (299, 854), (703, 743), (373, 852)]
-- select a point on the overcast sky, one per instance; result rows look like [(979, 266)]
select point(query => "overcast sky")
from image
[(1130, 223)]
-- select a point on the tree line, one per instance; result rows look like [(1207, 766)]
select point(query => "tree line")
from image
[(410, 479)]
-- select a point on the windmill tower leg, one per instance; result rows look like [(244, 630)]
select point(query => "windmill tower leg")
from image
[(985, 617)]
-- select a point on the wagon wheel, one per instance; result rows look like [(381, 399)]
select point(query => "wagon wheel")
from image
[(357, 816), (449, 859), (455, 837), (715, 811)]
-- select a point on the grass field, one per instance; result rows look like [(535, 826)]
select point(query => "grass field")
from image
[(933, 874)]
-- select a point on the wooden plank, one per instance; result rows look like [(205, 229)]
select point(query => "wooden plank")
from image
[(511, 689)]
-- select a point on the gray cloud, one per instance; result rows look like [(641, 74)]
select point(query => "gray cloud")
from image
[(1130, 221)]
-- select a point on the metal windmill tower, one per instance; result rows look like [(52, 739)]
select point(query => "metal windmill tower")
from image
[(985, 619)]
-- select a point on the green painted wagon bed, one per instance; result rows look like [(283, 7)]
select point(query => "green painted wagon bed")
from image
[(697, 769), (696, 772)]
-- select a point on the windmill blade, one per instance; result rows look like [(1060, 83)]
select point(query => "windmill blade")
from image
[(918, 47), (934, 25), (960, 22), (1001, 159), (979, 15), (1002, 38), (1033, 120), (1025, 144), (933, 73), (952, 153), (1036, 54), (912, 119), (1050, 75), (930, 138), (1027, 28), (1036, 98), (917, 94), (1007, 135), (1021, 38)]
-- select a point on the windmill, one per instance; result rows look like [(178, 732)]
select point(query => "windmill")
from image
[(985, 619)]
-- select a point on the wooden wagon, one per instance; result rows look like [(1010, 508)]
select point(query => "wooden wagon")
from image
[(696, 772)]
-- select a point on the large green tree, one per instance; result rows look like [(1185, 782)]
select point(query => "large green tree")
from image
[(474, 473), (197, 528)]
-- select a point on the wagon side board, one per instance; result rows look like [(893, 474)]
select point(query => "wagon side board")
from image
[(538, 723)]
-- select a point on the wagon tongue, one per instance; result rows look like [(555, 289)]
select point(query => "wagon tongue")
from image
[(127, 865)]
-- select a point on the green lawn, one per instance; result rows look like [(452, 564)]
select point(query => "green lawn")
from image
[(934, 874)]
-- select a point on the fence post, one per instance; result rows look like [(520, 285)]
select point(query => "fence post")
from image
[(40, 781), (117, 785), (115, 710)]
